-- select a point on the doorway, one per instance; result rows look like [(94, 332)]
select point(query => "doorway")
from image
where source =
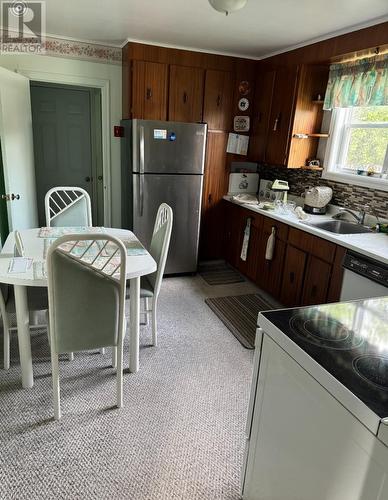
[(67, 135)]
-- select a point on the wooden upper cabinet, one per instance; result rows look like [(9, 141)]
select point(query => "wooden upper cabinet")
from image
[(218, 101), (261, 114), (186, 94), (308, 114), (281, 116), (149, 90)]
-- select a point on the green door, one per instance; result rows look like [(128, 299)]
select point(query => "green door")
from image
[(66, 124)]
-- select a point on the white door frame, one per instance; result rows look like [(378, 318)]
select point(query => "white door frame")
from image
[(103, 85)]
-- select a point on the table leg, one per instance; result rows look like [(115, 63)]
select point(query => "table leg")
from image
[(24, 339), (134, 328)]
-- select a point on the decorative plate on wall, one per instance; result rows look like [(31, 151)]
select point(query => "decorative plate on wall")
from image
[(243, 104), (241, 123), (244, 87)]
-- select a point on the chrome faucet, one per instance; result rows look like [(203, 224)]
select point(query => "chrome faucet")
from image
[(360, 217)]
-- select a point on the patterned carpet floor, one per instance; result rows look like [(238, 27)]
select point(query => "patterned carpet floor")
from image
[(180, 434)]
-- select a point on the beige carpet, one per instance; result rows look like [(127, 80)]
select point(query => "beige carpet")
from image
[(180, 434)]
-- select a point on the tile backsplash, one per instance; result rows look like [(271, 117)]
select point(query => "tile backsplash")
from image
[(344, 195)]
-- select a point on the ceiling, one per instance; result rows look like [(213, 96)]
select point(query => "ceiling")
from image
[(261, 28)]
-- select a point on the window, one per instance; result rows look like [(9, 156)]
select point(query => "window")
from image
[(357, 150)]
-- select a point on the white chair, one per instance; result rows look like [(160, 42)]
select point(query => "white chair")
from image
[(150, 285), (68, 206), (86, 284), (37, 301)]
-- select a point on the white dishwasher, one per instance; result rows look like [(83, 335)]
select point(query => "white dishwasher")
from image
[(364, 278)]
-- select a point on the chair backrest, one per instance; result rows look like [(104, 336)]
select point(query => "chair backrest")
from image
[(160, 243), (86, 285), (19, 246), (68, 206)]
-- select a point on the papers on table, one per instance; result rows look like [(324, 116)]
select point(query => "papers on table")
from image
[(19, 265), (57, 232), (39, 269), (134, 248)]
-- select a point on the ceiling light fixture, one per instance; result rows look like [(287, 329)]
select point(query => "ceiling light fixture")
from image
[(227, 6)]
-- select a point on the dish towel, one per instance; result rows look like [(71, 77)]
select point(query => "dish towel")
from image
[(247, 234), (270, 249), (301, 214), (244, 198)]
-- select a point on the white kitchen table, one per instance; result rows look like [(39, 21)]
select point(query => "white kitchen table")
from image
[(34, 248)]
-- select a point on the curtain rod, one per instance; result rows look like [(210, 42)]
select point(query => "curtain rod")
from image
[(375, 52)]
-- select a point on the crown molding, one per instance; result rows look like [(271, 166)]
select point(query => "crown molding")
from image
[(186, 47)]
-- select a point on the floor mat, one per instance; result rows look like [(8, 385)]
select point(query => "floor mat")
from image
[(219, 273), (239, 314)]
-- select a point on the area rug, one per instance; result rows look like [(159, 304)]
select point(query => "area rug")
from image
[(219, 273), (239, 314)]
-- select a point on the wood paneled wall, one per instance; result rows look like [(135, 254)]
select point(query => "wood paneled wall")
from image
[(333, 49)]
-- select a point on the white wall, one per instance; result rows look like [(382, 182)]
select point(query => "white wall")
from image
[(88, 70)]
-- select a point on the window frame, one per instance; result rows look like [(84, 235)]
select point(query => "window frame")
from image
[(337, 148)]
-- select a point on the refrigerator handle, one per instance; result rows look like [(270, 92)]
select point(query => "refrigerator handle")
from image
[(141, 172)]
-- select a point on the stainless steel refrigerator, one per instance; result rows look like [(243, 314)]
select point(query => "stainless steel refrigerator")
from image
[(164, 162)]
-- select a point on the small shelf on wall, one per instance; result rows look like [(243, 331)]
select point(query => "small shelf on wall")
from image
[(317, 101), (307, 136)]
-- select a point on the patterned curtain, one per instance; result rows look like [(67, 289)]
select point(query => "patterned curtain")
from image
[(358, 83)]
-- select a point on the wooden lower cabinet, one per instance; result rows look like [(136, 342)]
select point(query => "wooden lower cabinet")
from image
[(269, 272), (253, 252), (232, 232), (249, 266), (304, 269), (316, 282), (293, 276)]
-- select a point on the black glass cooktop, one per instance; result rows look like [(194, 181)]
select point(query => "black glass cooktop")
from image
[(349, 340)]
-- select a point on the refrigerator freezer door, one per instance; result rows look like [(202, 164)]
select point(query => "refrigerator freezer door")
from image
[(168, 147), (183, 193)]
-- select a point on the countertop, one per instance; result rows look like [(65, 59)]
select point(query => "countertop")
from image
[(373, 245)]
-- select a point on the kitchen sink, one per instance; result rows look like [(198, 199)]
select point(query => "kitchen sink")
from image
[(341, 227)]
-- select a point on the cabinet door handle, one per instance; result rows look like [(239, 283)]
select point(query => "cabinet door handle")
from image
[(209, 198), (149, 93), (185, 97), (292, 277), (276, 124), (219, 100), (88, 179)]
